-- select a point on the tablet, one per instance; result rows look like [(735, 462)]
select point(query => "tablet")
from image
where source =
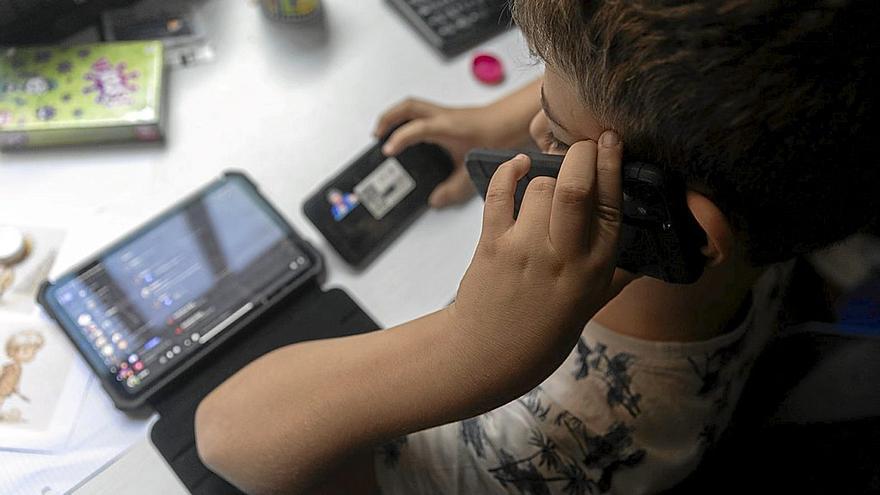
[(159, 300)]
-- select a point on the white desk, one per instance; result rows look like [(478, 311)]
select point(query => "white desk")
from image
[(289, 104)]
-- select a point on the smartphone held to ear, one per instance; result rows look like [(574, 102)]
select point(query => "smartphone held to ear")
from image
[(659, 236)]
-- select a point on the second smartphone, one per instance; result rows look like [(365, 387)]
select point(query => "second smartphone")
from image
[(375, 198)]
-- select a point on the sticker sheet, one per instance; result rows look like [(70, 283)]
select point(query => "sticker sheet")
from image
[(384, 188)]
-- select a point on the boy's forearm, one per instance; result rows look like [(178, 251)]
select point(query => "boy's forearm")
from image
[(289, 418)]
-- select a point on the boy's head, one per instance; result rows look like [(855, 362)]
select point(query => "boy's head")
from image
[(23, 346), (762, 107)]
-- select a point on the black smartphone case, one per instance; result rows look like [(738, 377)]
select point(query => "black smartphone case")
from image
[(658, 237), (359, 237)]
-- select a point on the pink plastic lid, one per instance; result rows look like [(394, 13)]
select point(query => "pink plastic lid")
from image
[(488, 69)]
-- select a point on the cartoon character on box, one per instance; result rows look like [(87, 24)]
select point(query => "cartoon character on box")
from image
[(112, 83)]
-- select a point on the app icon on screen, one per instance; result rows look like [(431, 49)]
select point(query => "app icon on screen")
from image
[(341, 203)]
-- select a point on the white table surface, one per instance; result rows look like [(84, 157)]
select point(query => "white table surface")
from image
[(289, 104)]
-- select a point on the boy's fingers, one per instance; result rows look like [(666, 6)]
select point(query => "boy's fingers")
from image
[(608, 196), (498, 210), (534, 213), (416, 131), (408, 109), (572, 212), (456, 189)]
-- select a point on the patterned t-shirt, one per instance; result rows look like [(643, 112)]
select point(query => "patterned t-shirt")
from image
[(621, 415)]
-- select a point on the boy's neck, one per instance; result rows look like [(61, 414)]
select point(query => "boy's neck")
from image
[(653, 310)]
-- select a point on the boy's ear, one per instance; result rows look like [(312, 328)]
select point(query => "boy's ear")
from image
[(720, 240)]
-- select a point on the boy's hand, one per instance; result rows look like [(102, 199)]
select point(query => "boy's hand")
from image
[(458, 130), (502, 124), (536, 280)]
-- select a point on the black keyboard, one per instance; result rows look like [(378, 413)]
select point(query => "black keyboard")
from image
[(25, 22), (453, 26)]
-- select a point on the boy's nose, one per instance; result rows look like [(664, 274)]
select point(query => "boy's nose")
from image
[(538, 129)]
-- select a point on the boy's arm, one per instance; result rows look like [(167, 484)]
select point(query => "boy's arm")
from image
[(503, 123), (293, 417)]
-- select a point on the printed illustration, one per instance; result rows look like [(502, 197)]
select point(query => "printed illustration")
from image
[(113, 83), (21, 348), (41, 384)]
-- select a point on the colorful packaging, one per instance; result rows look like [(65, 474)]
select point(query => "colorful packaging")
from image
[(291, 10), (81, 94)]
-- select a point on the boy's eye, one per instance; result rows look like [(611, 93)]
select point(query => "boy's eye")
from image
[(554, 143)]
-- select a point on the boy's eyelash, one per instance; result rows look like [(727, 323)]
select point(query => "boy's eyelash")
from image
[(555, 142)]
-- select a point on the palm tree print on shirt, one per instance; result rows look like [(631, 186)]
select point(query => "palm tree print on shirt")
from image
[(716, 381), (546, 468), (614, 371), (390, 452)]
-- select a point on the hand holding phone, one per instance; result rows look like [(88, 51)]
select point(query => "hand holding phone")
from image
[(535, 280), (659, 236)]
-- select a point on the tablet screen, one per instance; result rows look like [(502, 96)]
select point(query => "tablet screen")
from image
[(150, 302)]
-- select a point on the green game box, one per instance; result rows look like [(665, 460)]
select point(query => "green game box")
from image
[(80, 94)]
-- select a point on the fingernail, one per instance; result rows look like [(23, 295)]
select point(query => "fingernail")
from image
[(521, 157), (609, 138), (387, 149)]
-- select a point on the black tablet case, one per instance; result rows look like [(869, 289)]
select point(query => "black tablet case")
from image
[(306, 315)]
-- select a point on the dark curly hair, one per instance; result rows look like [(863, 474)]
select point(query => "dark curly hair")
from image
[(764, 106)]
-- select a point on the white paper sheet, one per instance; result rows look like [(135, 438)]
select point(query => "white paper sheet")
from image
[(41, 385), (100, 435)]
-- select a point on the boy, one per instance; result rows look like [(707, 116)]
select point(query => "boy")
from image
[(762, 109)]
